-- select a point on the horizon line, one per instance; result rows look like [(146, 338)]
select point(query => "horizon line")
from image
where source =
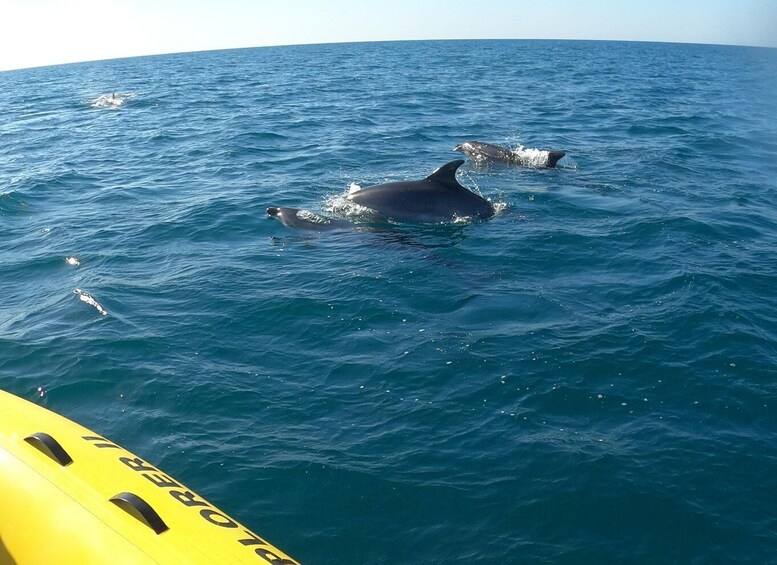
[(368, 41)]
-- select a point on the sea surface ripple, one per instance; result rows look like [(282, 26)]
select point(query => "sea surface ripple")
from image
[(590, 376)]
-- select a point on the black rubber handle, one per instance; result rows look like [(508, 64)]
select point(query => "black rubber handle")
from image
[(141, 510), (46, 444)]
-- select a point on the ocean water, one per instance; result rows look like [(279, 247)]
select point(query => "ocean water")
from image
[(588, 377)]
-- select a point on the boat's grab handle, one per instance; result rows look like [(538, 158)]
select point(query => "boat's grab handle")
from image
[(131, 503), (48, 445), (141, 510)]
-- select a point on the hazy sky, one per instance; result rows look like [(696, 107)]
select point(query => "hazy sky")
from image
[(46, 32)]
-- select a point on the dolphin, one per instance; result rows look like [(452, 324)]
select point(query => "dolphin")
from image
[(437, 198), (306, 220), (480, 151)]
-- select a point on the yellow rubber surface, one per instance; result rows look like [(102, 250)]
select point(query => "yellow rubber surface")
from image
[(52, 511)]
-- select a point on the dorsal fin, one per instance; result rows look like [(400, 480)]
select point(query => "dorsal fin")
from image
[(554, 157), (446, 175)]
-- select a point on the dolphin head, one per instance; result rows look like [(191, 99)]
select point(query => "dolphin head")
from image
[(306, 220), (465, 147), (479, 151), (283, 215)]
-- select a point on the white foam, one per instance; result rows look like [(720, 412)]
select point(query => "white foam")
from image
[(458, 220), (113, 101), (499, 207), (530, 157), (341, 205), (72, 261), (107, 101), (311, 217), (89, 299)]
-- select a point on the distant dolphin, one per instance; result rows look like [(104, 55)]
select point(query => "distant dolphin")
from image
[(305, 220), (108, 101), (438, 197), (480, 151)]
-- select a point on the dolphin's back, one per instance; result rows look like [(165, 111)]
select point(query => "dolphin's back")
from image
[(438, 197), (480, 151)]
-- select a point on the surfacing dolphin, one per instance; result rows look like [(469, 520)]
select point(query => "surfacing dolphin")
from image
[(437, 198), (306, 220), (479, 151)]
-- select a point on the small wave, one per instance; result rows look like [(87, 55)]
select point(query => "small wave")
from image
[(11, 202), (656, 130)]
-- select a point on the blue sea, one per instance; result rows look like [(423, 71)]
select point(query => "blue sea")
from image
[(590, 376)]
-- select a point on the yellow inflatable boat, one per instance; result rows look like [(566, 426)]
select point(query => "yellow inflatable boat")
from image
[(68, 495)]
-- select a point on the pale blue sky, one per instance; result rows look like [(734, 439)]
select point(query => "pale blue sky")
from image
[(45, 32)]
